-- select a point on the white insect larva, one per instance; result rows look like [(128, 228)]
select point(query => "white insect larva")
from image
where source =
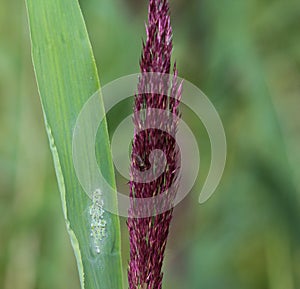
[(98, 224)]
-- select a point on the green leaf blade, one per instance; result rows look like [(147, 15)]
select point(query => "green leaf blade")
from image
[(67, 76)]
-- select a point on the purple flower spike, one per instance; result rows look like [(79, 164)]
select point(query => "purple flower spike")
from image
[(148, 236)]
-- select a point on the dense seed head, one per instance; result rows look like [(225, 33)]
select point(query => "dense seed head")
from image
[(148, 236)]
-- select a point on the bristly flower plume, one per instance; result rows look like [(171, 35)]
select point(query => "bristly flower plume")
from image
[(148, 235)]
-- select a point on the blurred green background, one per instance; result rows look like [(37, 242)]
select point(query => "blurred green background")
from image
[(245, 55)]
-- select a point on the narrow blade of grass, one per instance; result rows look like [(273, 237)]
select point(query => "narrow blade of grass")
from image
[(67, 76)]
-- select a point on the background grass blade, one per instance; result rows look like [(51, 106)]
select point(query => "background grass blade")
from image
[(67, 76)]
